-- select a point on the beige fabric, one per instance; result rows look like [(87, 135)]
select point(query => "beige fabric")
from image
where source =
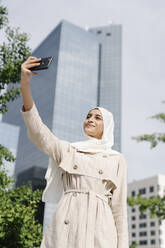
[(92, 212)]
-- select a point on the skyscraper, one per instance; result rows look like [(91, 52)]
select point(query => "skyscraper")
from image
[(109, 80)]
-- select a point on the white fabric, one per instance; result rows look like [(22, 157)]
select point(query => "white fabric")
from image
[(54, 187), (106, 142)]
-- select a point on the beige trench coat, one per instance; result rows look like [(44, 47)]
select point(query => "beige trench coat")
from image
[(92, 212)]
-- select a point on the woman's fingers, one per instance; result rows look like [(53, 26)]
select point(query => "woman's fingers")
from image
[(31, 61), (32, 65)]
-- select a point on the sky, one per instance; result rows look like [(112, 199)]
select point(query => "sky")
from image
[(143, 57)]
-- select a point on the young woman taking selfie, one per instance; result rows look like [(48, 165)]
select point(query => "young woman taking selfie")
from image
[(87, 179)]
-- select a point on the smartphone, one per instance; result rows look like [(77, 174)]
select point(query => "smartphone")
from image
[(44, 64)]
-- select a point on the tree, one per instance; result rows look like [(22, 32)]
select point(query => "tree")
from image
[(18, 225), (12, 55), (155, 204), (154, 138), (134, 245)]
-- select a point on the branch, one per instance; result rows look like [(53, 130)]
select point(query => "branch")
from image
[(160, 116), (152, 138), (3, 16), (6, 155), (155, 204), (12, 94)]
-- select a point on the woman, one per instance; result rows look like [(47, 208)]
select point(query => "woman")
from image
[(87, 179)]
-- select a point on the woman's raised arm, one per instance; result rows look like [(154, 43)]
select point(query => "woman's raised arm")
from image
[(39, 134)]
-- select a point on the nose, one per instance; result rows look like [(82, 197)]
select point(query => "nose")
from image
[(90, 119)]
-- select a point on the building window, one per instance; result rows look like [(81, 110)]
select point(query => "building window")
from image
[(133, 234), (108, 34), (143, 224), (133, 193), (133, 226), (153, 241), (152, 223), (142, 191), (133, 217), (152, 232), (143, 242), (143, 234), (133, 209), (142, 216), (151, 188), (99, 32)]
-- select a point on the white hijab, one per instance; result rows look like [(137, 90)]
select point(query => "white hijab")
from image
[(105, 143)]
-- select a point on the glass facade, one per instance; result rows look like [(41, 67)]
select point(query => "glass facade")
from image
[(76, 87)]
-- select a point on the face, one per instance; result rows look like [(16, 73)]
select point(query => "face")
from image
[(93, 124)]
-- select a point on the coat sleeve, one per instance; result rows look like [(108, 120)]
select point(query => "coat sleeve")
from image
[(119, 205), (41, 136)]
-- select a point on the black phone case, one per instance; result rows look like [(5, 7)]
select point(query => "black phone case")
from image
[(44, 64)]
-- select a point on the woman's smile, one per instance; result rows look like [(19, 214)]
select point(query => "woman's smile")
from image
[(89, 125)]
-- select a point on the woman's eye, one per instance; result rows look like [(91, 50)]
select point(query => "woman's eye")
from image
[(96, 117)]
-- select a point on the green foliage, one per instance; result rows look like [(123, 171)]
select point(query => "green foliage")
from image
[(3, 16), (18, 227), (155, 205), (155, 138), (12, 55), (134, 245)]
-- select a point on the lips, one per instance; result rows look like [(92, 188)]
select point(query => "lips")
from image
[(90, 125)]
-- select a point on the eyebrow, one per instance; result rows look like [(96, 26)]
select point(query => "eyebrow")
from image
[(96, 114)]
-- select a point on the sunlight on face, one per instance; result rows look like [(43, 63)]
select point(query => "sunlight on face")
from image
[(93, 124)]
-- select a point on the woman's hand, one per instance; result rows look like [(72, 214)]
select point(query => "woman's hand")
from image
[(25, 72)]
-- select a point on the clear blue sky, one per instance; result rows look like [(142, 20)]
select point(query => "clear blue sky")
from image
[(143, 73)]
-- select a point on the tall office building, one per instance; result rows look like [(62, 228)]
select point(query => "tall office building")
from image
[(85, 72), (109, 79), (146, 231)]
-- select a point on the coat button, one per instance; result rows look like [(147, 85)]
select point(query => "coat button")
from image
[(100, 171), (75, 194), (75, 166), (66, 221)]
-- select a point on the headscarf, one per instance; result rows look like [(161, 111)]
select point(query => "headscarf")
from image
[(104, 144)]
